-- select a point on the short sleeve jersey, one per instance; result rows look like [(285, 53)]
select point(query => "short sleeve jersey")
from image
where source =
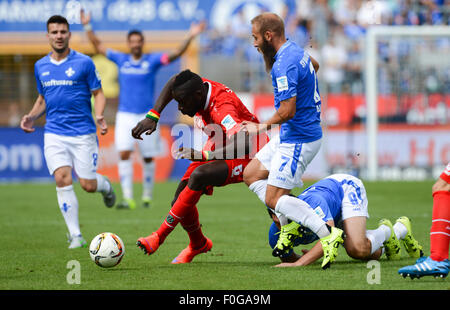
[(293, 75), (137, 79), (224, 108), (66, 87)]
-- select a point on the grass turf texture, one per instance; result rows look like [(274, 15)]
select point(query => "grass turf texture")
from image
[(34, 252)]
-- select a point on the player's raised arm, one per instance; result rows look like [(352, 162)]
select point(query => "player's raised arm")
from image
[(194, 31), (149, 123), (85, 19), (37, 111)]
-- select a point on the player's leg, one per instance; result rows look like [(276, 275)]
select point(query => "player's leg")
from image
[(59, 165), (440, 228), (149, 147), (84, 152), (124, 144), (359, 243), (200, 176)]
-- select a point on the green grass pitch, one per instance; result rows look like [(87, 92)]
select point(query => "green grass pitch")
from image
[(34, 253)]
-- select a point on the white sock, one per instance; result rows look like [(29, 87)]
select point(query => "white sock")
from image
[(299, 211), (148, 179), (259, 188), (400, 230), (376, 237), (126, 178), (68, 204), (103, 185), (386, 230)]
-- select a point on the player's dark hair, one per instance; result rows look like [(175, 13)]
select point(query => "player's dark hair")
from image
[(133, 32), (58, 19), (269, 22), (187, 82)]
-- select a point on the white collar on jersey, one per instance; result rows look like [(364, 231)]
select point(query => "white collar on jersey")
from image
[(56, 62), (208, 97)]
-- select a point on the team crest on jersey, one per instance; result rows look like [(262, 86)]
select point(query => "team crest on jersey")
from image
[(70, 72), (282, 83), (319, 212)]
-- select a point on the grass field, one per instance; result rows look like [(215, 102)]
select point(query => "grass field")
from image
[(34, 252)]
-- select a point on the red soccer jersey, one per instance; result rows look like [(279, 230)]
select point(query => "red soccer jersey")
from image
[(225, 109)]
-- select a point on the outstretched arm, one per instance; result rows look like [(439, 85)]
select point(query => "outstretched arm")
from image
[(148, 125), (85, 19), (37, 111), (195, 30), (309, 257)]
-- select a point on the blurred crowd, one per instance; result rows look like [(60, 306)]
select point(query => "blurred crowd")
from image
[(333, 32)]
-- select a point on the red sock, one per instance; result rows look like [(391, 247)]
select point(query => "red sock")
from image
[(192, 226), (440, 227), (185, 202)]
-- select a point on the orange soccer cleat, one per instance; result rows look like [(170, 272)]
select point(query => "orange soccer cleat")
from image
[(149, 244), (188, 254)]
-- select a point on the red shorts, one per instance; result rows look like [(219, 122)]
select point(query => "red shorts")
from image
[(235, 172), (446, 174)]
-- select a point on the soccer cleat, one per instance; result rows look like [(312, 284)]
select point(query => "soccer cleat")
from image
[(330, 245), (109, 198), (127, 204), (146, 202), (77, 241), (188, 254), (426, 267), (392, 245), (411, 245), (149, 244), (287, 235)]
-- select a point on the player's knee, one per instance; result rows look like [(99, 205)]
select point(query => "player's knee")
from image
[(358, 250)]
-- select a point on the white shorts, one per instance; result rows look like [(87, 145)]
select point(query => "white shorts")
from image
[(78, 152), (355, 200), (287, 162), (150, 146)]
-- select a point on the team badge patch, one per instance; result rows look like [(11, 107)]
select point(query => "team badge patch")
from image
[(69, 72), (228, 122), (282, 83)]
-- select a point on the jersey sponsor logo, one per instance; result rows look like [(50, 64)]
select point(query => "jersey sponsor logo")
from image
[(69, 72), (53, 82), (228, 122), (282, 83), (319, 212)]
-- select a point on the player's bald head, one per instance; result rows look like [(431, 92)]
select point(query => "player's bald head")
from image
[(268, 21)]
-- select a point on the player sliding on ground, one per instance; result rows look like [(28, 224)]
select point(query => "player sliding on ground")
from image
[(212, 104), (341, 200)]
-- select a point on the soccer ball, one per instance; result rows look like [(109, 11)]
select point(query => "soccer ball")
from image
[(106, 249)]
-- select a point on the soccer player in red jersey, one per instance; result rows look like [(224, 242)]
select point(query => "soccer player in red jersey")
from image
[(221, 162), (437, 264)]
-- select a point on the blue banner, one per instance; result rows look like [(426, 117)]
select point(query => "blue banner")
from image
[(122, 15), (22, 155)]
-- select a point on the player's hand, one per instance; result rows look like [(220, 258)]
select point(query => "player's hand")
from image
[(197, 28), (297, 263), (188, 153), (146, 125), (85, 18), (250, 127), (102, 124), (27, 124)]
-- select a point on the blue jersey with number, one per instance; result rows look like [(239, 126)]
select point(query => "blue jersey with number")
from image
[(293, 75), (136, 79), (66, 87)]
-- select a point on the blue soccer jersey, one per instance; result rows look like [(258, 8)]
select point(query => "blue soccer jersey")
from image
[(66, 87), (293, 75), (137, 79)]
